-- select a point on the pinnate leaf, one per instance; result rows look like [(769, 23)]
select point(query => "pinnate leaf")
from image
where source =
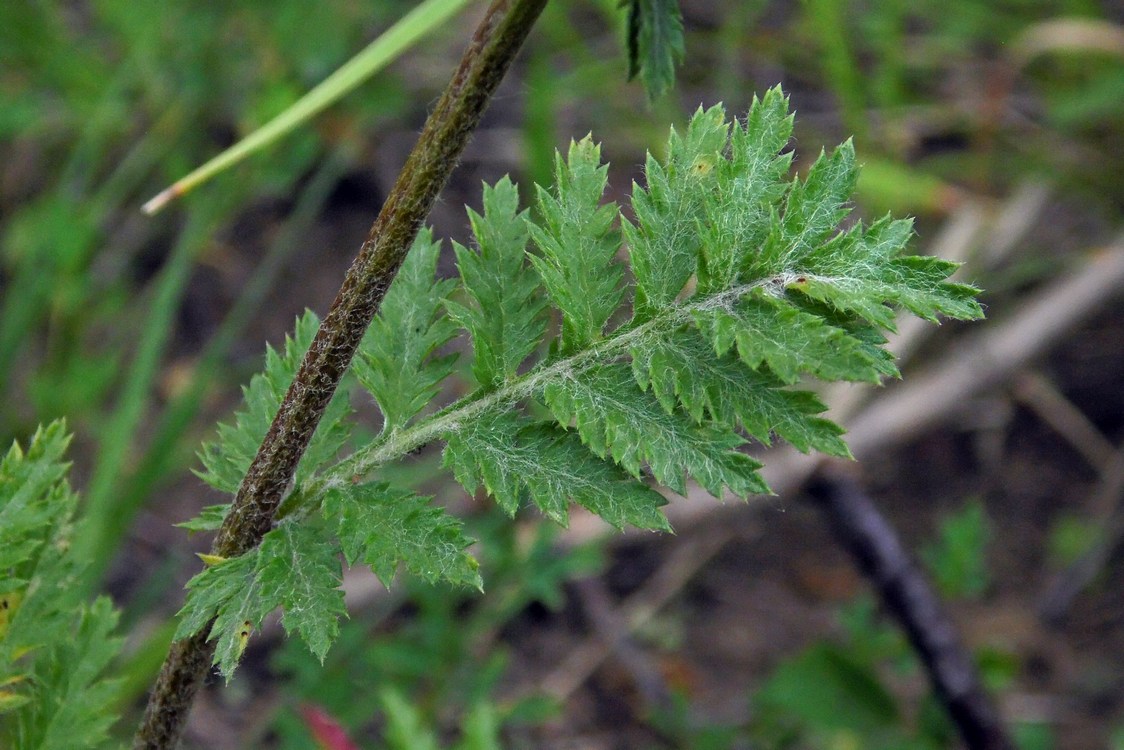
[(740, 215), (383, 527), (683, 371), (655, 43), (862, 272), (664, 242), (578, 241), (513, 458), (813, 208), (505, 315), (744, 286), (54, 646), (395, 361), (769, 331), (295, 568), (616, 418)]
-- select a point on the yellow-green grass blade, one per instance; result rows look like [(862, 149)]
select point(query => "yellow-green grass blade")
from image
[(411, 28)]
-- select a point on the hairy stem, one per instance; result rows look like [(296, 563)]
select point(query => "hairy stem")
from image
[(493, 47)]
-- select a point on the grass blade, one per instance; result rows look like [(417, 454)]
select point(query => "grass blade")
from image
[(423, 19)]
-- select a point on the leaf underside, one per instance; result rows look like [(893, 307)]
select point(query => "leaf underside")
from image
[(742, 287)]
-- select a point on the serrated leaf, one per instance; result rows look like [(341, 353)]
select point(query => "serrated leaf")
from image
[(505, 316), (813, 209), (616, 418), (740, 214), (780, 294), (655, 43), (81, 702), (395, 361), (682, 370), (300, 570), (578, 243), (230, 593), (227, 459), (384, 526), (294, 568), (767, 330), (513, 458), (54, 647), (30, 502), (664, 242), (863, 272)]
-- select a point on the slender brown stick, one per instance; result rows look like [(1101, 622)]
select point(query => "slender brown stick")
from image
[(494, 45), (906, 594)]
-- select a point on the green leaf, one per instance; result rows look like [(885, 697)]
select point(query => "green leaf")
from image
[(395, 361), (505, 318), (682, 370), (957, 559), (664, 243), (81, 701), (209, 519), (294, 568), (655, 43), (300, 570), (744, 285), (30, 494), (227, 459), (513, 458), (615, 417), (828, 690), (767, 330), (862, 272), (54, 647), (231, 593), (740, 214), (578, 244), (812, 211), (405, 726), (384, 526)]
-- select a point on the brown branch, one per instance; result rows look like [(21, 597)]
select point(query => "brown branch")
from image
[(498, 38), (905, 593)]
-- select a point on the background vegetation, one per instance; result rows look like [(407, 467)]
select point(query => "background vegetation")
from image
[(999, 125)]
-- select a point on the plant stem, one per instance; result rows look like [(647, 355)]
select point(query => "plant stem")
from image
[(874, 544), (494, 45)]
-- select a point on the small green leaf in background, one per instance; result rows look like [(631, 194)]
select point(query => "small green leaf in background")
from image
[(54, 647), (655, 43), (957, 559), (405, 726), (826, 691), (1071, 537)]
